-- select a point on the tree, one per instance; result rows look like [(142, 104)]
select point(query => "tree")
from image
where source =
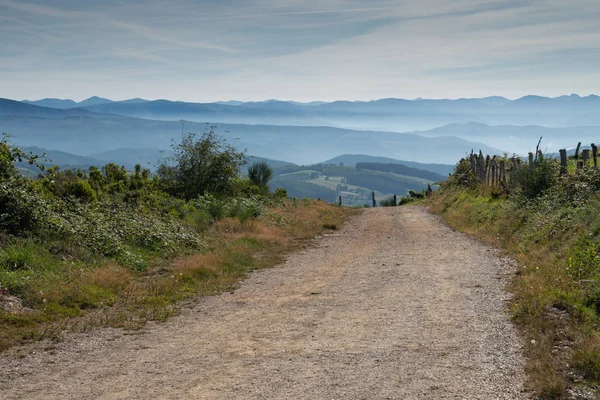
[(200, 165), (260, 174), (9, 155)]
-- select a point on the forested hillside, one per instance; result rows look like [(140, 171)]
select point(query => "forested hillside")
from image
[(354, 185)]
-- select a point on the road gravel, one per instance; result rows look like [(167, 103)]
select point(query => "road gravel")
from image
[(395, 305)]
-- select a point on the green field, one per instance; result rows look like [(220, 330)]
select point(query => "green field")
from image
[(354, 185)]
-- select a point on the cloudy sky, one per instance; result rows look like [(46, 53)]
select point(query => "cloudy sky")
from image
[(298, 50)]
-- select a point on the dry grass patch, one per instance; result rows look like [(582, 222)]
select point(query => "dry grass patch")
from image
[(76, 296)]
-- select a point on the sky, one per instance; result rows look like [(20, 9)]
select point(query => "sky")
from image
[(324, 50)]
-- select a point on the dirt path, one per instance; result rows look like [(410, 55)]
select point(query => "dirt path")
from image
[(394, 306)]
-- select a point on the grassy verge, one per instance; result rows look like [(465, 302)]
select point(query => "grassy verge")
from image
[(556, 238), (55, 290)]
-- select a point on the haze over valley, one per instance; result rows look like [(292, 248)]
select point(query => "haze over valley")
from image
[(98, 130), (299, 84)]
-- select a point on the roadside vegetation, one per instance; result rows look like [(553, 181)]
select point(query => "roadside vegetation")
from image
[(112, 247), (550, 222)]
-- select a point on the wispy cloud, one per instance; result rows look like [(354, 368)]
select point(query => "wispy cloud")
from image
[(95, 18), (329, 49), (292, 13)]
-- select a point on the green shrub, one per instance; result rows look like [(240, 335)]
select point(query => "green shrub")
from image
[(462, 176), (260, 174), (82, 190), (280, 194), (201, 165), (538, 177), (23, 211), (583, 261), (216, 209), (389, 202)]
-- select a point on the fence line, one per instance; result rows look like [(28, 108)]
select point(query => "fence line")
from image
[(500, 172)]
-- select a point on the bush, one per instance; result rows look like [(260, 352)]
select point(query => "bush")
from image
[(536, 178), (23, 211), (207, 164), (82, 190), (216, 209), (389, 202), (462, 176), (260, 174)]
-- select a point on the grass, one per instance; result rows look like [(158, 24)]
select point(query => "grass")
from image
[(556, 289), (79, 292)]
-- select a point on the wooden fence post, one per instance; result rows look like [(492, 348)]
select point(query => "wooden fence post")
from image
[(585, 156), (503, 173), (579, 164), (493, 173), (487, 170), (395, 201), (497, 164), (340, 202), (530, 159), (563, 161), (481, 164), (513, 173), (374, 202), (595, 155), (577, 151)]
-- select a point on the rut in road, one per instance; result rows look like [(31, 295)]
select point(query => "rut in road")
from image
[(395, 305)]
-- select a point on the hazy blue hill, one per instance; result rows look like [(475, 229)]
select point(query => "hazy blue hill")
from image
[(401, 169), (442, 169), (390, 114), (136, 100), (93, 101), (147, 158), (230, 102), (519, 139), (298, 144), (175, 110), (376, 106), (12, 108), (274, 164), (128, 157), (567, 106), (52, 103), (275, 105), (63, 159), (68, 103), (350, 160)]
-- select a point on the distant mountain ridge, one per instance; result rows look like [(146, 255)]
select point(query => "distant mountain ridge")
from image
[(271, 132), (13, 108), (68, 103), (393, 114), (81, 131)]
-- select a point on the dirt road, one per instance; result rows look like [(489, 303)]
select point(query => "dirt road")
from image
[(393, 306)]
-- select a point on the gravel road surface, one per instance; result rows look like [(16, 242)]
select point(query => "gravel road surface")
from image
[(395, 305)]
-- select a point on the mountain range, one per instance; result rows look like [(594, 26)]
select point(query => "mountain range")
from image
[(383, 115), (304, 133), (85, 131)]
